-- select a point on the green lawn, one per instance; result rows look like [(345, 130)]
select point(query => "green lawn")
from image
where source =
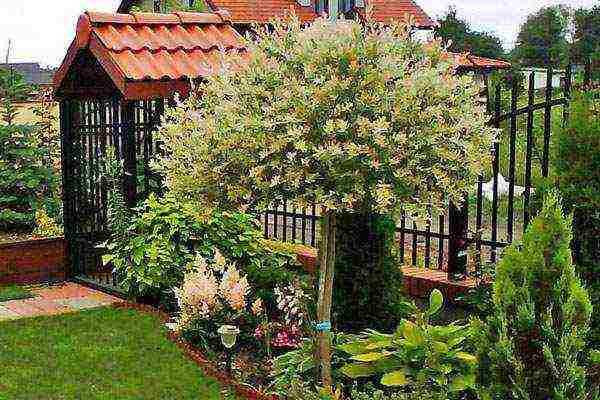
[(98, 354), (14, 292)]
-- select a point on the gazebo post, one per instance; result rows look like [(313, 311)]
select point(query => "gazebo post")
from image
[(129, 156), (66, 151)]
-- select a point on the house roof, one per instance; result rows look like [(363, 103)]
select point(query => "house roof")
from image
[(262, 11), (469, 62), (32, 72), (396, 10), (150, 55)]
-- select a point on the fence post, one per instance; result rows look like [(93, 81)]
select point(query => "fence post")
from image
[(458, 230), (129, 157), (587, 74)]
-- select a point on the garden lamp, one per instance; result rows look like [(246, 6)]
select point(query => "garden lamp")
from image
[(228, 335)]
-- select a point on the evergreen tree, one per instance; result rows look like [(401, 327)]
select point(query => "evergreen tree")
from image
[(586, 44), (535, 337), (578, 163)]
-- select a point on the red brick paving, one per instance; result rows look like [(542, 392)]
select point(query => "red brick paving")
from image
[(54, 300)]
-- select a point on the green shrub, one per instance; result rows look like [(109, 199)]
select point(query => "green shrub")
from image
[(46, 226), (578, 164), (26, 177), (164, 235), (532, 345), (424, 358), (367, 291)]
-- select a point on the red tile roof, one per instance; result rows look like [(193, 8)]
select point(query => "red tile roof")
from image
[(262, 11), (467, 61), (397, 10), (143, 47)]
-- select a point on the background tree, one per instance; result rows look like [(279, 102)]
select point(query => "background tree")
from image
[(362, 121), (13, 88), (462, 38), (586, 35), (542, 39), (170, 5)]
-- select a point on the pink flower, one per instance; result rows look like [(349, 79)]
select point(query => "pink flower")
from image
[(233, 289), (258, 332)]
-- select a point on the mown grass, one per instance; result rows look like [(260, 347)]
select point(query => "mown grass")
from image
[(98, 354), (14, 292)]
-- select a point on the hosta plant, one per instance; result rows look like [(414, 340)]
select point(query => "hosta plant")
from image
[(152, 246), (418, 356)]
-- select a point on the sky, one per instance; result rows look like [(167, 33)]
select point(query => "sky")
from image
[(41, 30)]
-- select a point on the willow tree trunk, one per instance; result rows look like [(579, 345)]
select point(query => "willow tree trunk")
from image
[(327, 265)]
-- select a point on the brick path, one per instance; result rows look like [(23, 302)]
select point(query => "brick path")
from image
[(55, 299)]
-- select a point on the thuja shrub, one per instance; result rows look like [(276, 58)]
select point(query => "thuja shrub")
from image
[(359, 120), (578, 166), (532, 346), (367, 272)]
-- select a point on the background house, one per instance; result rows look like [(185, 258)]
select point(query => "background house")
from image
[(245, 13)]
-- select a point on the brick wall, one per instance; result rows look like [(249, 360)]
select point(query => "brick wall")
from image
[(33, 261), (418, 282)]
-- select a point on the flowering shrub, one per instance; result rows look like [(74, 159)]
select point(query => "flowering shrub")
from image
[(212, 290), (290, 320), (348, 117)]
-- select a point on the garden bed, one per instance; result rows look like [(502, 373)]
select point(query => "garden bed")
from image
[(14, 237), (211, 368)]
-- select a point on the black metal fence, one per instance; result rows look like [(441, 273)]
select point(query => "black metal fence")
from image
[(89, 128), (495, 213)]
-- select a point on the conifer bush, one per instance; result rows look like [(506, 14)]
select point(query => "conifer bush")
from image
[(532, 346)]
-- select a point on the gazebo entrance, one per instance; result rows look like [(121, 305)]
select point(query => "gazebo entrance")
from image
[(113, 86)]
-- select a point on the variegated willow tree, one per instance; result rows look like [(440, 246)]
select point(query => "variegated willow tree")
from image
[(360, 120)]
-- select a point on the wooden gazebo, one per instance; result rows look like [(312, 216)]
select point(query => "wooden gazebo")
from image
[(113, 85)]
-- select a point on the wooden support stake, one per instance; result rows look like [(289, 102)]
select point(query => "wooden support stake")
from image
[(327, 257)]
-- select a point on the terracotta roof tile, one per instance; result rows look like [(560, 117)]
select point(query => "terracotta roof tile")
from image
[(143, 46), (387, 11), (471, 62), (261, 11)]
